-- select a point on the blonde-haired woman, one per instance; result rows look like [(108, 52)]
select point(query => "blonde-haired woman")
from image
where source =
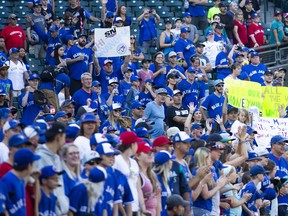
[(163, 165), (240, 31), (71, 165), (208, 187), (114, 114)]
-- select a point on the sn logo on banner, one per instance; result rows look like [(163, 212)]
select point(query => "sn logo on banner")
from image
[(112, 42)]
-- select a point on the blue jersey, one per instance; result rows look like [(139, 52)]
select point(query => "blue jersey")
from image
[(177, 182), (123, 187), (15, 188), (78, 198), (159, 80), (124, 87), (222, 39), (145, 98), (193, 92), (250, 188), (147, 30), (47, 205), (69, 183), (31, 110), (61, 81), (78, 68), (164, 196), (104, 78), (3, 57), (111, 193), (197, 10), (282, 170), (116, 98), (49, 40), (80, 97), (222, 59), (255, 73), (3, 197), (186, 47), (177, 67), (213, 104)]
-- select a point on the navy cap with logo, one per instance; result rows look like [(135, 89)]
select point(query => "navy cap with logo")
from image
[(191, 70), (17, 140), (61, 114), (185, 29), (162, 157), (106, 149), (278, 139), (182, 137), (48, 171), (253, 156), (56, 128), (257, 169), (97, 174)]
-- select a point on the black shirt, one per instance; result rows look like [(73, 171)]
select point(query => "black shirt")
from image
[(173, 111)]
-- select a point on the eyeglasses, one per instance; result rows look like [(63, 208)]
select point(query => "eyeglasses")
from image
[(132, 38), (114, 86), (117, 110), (220, 86), (141, 108), (13, 18), (281, 143), (74, 153)]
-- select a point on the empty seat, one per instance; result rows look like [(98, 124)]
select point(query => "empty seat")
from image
[(153, 3)]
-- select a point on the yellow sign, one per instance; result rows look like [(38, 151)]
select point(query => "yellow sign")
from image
[(273, 98), (244, 94)]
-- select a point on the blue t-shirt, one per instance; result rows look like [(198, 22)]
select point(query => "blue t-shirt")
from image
[(78, 68), (213, 104), (145, 98), (159, 80), (250, 188), (255, 73), (192, 92), (15, 188), (7, 85), (164, 196), (104, 78), (177, 67), (197, 10), (186, 47), (47, 205), (155, 113), (222, 59), (80, 97), (147, 30), (222, 39)]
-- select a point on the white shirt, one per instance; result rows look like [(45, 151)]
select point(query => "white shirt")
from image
[(83, 145), (4, 152), (211, 50), (16, 74), (132, 174)]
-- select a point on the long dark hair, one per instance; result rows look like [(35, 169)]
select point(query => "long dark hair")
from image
[(56, 55), (118, 12)]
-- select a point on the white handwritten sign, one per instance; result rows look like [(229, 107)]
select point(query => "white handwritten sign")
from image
[(111, 42)]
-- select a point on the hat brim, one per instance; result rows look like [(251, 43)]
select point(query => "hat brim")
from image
[(257, 158)]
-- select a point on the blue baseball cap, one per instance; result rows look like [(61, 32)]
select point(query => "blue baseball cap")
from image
[(49, 117), (257, 169), (185, 29), (182, 137), (72, 131), (137, 104), (187, 14), (24, 156), (106, 149), (96, 83), (217, 82), (148, 80), (191, 70), (269, 194), (13, 50), (112, 139), (197, 126), (251, 130), (278, 139), (134, 78), (190, 152), (97, 174), (70, 37), (10, 124), (82, 35), (4, 113), (34, 76), (17, 140), (61, 114), (110, 128), (109, 14), (141, 131), (53, 28), (48, 171), (252, 54), (162, 157), (253, 156), (254, 15), (245, 49), (210, 32), (97, 139), (87, 117), (239, 54)]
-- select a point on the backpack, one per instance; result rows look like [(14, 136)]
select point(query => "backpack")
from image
[(39, 98), (49, 73)]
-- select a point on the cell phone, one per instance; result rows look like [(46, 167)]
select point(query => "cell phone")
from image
[(150, 11)]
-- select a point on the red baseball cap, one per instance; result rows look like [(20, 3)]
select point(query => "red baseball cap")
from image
[(160, 141), (128, 138), (143, 147)]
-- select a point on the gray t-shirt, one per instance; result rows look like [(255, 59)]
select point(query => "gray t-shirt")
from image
[(40, 22), (193, 31)]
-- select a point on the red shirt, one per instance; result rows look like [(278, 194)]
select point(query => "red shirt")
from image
[(258, 32), (242, 32), (4, 168), (13, 36)]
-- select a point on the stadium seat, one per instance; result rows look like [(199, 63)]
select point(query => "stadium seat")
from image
[(135, 3), (153, 3), (173, 3)]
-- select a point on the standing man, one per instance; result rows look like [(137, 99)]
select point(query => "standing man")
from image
[(278, 144), (154, 111), (193, 36), (204, 61), (13, 34), (197, 10), (79, 61), (214, 102), (226, 20), (177, 113)]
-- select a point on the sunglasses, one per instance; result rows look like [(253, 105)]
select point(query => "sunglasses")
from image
[(118, 110), (91, 162), (141, 108), (13, 18), (220, 86), (132, 38)]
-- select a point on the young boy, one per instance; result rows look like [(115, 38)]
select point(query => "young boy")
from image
[(251, 207), (176, 205), (133, 94), (49, 182), (277, 33)]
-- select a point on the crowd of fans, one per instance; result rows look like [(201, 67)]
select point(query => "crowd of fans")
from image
[(141, 134)]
